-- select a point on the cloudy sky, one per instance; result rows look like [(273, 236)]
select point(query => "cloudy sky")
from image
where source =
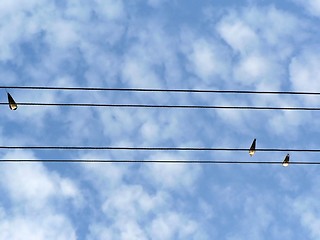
[(230, 45)]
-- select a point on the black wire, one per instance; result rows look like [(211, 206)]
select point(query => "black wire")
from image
[(155, 161), (159, 90), (168, 106), (156, 148)]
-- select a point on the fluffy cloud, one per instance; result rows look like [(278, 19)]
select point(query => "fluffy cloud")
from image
[(306, 208), (238, 34), (34, 193), (172, 225), (118, 43), (33, 185), (304, 70), (264, 39), (207, 59), (180, 177), (311, 6), (253, 69), (51, 226), (136, 205), (111, 9)]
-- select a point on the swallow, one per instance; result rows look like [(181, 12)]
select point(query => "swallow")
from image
[(252, 149), (285, 162), (12, 104)]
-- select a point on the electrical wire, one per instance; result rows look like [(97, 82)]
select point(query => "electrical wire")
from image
[(160, 90), (159, 106), (156, 148), (156, 161), (168, 106)]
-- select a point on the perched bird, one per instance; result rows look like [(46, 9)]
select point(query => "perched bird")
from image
[(252, 149), (285, 162), (12, 104)]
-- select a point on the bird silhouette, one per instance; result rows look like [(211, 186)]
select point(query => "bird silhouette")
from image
[(252, 149)]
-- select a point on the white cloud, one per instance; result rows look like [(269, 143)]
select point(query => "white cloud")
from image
[(172, 226), (264, 38), (239, 35), (32, 185), (132, 209), (34, 193), (252, 70), (134, 212), (131, 231), (307, 209), (99, 231), (311, 6), (174, 177), (131, 202), (283, 123), (305, 72), (27, 182), (110, 9), (204, 59), (150, 60), (62, 33), (98, 44), (139, 75), (12, 7), (18, 25), (207, 58), (103, 178), (150, 131), (36, 227), (275, 28)]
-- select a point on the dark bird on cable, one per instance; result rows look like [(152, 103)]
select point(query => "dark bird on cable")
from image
[(12, 104), (285, 162), (252, 149)]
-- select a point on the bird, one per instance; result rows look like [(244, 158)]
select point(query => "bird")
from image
[(252, 149), (285, 162), (12, 104)]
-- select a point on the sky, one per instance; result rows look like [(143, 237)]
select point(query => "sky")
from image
[(220, 45)]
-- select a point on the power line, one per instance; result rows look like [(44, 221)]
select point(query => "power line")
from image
[(160, 90), (156, 161), (167, 106), (156, 148)]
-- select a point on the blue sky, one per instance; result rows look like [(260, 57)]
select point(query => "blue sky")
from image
[(245, 45)]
